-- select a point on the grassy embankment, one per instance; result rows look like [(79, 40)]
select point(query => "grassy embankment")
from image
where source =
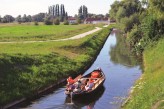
[(22, 32), (149, 90), (26, 68)]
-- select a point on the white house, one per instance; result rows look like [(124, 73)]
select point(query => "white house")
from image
[(96, 21), (72, 20)]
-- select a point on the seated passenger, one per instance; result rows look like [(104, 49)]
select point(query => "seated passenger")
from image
[(70, 80), (70, 84), (89, 85), (77, 86)]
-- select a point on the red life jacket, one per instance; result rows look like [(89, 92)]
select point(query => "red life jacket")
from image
[(95, 74), (70, 80)]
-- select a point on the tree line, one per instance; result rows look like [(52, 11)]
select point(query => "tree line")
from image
[(22, 19), (83, 12), (56, 11), (142, 21)]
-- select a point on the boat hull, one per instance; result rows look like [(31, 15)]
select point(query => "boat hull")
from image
[(92, 92)]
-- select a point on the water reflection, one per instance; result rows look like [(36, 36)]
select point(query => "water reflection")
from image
[(87, 102), (121, 54)]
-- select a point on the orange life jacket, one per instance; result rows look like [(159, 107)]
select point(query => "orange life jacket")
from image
[(95, 74), (70, 80)]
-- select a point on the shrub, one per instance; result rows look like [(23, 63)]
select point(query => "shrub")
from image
[(48, 22), (56, 21), (36, 23), (66, 22)]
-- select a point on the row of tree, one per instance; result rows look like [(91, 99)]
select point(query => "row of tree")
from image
[(83, 12), (22, 19), (142, 21), (58, 12), (7, 19)]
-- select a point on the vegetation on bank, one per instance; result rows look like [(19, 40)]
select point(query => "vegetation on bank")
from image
[(22, 32), (24, 72), (150, 88), (142, 21)]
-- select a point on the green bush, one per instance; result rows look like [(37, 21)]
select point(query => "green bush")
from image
[(36, 23), (66, 22), (57, 21), (48, 22)]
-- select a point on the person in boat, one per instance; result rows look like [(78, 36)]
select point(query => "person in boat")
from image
[(77, 86), (89, 85), (70, 83), (70, 80)]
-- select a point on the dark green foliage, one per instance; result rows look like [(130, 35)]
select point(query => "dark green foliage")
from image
[(7, 19), (126, 8), (143, 26), (48, 20), (57, 21), (66, 22), (36, 23), (57, 12), (118, 54), (22, 74), (39, 17), (19, 19), (0, 18), (82, 12), (79, 21)]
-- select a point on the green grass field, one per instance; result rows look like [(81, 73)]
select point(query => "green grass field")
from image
[(21, 32), (150, 89)]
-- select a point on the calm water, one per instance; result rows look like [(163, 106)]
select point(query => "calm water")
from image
[(121, 70)]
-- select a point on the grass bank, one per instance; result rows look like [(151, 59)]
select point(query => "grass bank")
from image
[(26, 32), (31, 67), (149, 90)]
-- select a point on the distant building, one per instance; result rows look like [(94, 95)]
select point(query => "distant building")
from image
[(72, 20), (112, 20), (96, 21)]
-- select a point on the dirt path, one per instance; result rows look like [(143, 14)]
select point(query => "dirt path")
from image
[(157, 104), (71, 38)]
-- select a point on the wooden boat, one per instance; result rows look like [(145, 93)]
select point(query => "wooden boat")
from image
[(98, 80)]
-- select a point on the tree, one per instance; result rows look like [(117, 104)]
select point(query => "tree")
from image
[(19, 19), (80, 13), (66, 16), (24, 18), (7, 19), (48, 21), (66, 22), (29, 18), (56, 21), (61, 13), (39, 17), (114, 8), (53, 10), (83, 12), (0, 18)]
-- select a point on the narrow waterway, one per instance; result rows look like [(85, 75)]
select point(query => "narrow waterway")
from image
[(121, 70)]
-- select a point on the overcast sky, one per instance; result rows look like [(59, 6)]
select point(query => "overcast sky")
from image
[(31, 7)]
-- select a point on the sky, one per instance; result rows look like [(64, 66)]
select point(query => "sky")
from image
[(32, 7)]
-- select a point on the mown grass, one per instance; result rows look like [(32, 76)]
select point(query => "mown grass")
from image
[(150, 89), (26, 68), (21, 32)]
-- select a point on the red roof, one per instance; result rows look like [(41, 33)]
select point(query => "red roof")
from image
[(96, 19), (71, 18)]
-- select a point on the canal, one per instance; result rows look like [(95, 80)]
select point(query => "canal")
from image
[(121, 68)]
